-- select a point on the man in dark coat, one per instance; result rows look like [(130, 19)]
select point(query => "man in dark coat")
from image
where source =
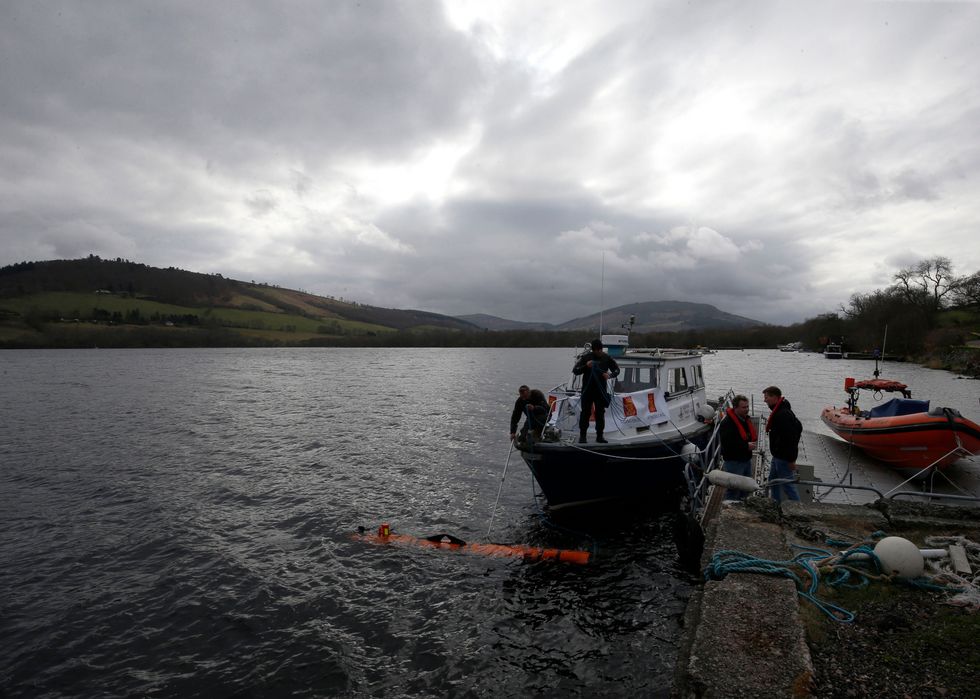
[(523, 393), (738, 439), (595, 368), (784, 431)]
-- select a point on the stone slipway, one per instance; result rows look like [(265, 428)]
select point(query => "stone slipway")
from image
[(743, 635)]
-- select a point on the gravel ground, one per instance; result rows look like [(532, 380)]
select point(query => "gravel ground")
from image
[(903, 643)]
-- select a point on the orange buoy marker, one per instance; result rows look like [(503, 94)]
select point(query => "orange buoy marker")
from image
[(445, 541)]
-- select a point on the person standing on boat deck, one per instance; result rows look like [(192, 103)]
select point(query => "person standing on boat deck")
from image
[(738, 440), (523, 393), (595, 368), (784, 430)]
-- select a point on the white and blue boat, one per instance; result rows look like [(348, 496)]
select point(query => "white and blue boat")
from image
[(833, 351), (658, 420)]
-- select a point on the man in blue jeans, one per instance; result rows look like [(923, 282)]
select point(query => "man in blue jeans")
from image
[(784, 431)]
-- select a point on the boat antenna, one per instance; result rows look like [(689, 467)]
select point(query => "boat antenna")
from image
[(881, 355), (602, 290)]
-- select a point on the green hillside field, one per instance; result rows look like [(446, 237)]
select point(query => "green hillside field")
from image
[(62, 315)]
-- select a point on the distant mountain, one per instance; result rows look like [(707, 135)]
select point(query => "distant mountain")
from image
[(662, 316), (651, 316), (487, 322)]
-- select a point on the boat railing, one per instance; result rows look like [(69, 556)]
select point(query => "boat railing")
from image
[(890, 495), (921, 494), (696, 470), (927, 470), (665, 352)]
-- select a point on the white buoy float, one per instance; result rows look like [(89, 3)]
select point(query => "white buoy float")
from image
[(900, 557), (732, 481)]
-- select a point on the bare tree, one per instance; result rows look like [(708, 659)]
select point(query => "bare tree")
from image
[(967, 290), (927, 283)]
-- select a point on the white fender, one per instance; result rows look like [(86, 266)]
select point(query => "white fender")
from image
[(732, 481), (690, 453)]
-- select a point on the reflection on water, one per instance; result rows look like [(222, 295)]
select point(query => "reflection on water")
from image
[(178, 522)]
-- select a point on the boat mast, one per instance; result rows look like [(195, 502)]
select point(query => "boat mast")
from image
[(882, 355), (602, 291)]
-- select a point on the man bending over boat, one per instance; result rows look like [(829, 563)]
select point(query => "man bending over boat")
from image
[(784, 431), (537, 410), (523, 393), (532, 404), (595, 368), (738, 441)]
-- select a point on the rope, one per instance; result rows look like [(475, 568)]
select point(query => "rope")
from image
[(853, 568), (725, 562), (969, 594), (606, 454)]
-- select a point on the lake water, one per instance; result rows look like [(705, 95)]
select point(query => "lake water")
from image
[(178, 523)]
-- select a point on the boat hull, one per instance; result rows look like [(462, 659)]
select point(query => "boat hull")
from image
[(908, 443), (576, 475)]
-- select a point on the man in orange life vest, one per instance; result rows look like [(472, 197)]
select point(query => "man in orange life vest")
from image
[(738, 440)]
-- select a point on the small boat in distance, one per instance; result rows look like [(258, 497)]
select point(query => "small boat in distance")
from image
[(833, 351), (903, 432), (658, 420), (790, 347)]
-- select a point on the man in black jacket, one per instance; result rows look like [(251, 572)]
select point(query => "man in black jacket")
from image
[(595, 368), (784, 431)]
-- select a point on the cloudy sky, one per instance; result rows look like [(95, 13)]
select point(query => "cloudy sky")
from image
[(532, 160)]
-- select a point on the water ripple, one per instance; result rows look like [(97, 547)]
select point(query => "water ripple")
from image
[(179, 523)]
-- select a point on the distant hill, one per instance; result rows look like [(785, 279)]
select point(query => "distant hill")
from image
[(35, 297), (487, 322), (118, 303), (651, 316)]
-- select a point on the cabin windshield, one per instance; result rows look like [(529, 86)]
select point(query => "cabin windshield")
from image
[(637, 378)]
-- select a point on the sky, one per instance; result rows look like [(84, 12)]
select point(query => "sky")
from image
[(534, 160)]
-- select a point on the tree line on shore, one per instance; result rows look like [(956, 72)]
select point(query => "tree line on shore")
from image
[(928, 312)]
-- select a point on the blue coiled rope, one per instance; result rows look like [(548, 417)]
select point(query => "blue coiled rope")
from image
[(843, 566), (725, 562), (853, 568)]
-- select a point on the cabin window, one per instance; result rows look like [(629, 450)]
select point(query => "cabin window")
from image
[(698, 375), (677, 380), (636, 378)]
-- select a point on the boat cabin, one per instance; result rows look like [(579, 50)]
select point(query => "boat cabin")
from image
[(655, 387)]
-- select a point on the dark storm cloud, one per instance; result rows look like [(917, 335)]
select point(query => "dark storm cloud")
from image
[(508, 158), (237, 79)]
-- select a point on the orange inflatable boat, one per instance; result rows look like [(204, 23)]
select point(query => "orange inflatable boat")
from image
[(905, 433)]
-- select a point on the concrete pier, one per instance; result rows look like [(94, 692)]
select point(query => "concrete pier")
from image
[(744, 635)]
